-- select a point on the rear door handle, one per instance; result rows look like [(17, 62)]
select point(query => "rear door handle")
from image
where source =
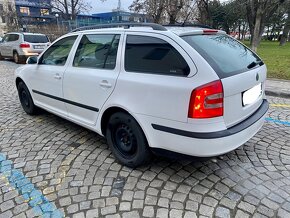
[(105, 84), (57, 76)]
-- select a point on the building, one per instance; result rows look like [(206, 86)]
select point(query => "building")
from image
[(8, 16), (34, 12), (120, 16)]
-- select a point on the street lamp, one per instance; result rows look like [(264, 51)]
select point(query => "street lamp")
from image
[(57, 15)]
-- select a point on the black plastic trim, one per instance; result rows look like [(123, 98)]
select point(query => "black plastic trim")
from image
[(224, 133), (67, 101)]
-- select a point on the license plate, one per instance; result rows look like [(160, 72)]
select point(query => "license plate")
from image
[(39, 47), (251, 95)]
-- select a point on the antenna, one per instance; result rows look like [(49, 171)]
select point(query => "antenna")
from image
[(119, 6)]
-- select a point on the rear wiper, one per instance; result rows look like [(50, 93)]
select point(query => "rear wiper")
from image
[(255, 63)]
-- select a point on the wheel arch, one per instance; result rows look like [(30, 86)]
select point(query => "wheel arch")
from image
[(18, 80), (114, 109)]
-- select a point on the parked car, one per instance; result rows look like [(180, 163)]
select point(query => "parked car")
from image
[(149, 89), (20, 46)]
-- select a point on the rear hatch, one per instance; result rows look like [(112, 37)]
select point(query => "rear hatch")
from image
[(240, 70), (38, 42)]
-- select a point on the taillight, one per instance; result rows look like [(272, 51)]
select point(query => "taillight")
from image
[(207, 101), (24, 45), (209, 31)]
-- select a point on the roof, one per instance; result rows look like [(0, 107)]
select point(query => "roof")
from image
[(149, 27)]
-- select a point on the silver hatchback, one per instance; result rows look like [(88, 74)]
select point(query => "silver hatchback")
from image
[(20, 46)]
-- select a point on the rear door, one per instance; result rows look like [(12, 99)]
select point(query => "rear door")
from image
[(91, 77), (241, 71), (12, 44)]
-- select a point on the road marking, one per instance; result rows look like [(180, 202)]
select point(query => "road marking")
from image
[(15, 178), (278, 121), (280, 105)]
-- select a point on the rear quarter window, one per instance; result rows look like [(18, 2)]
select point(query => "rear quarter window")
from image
[(146, 54), (226, 55)]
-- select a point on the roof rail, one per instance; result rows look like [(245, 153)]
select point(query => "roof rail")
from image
[(189, 25), (154, 26)]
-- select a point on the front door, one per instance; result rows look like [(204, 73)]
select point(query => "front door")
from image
[(91, 77), (47, 77)]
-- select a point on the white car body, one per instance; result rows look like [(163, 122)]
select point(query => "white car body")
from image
[(159, 103)]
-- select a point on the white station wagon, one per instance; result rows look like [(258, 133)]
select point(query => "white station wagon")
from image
[(150, 89)]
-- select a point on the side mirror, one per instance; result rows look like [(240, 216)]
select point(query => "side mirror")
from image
[(32, 60)]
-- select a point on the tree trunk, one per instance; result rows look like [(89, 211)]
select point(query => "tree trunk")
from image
[(286, 30), (256, 37)]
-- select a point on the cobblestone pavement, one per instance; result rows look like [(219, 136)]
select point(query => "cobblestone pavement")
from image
[(67, 167)]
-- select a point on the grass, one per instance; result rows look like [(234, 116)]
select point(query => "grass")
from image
[(277, 58)]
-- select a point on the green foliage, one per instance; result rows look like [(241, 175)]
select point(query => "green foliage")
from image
[(276, 58)]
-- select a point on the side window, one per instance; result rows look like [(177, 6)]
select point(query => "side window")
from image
[(97, 51), (13, 37), (58, 53), (152, 55)]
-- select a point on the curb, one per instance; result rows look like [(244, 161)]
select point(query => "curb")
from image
[(277, 94)]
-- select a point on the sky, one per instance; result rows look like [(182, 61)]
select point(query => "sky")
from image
[(108, 5)]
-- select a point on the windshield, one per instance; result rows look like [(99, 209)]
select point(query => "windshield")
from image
[(225, 55), (36, 38)]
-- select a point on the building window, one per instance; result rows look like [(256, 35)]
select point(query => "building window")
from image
[(44, 12), (125, 18), (24, 10)]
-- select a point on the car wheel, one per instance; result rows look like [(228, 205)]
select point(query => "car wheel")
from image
[(127, 140), (26, 99), (16, 57), (1, 57)]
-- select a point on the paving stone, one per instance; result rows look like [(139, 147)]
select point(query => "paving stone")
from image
[(189, 214), (191, 205), (108, 210), (131, 214), (206, 210), (162, 213), (241, 214), (222, 212), (148, 211), (7, 205), (247, 207), (175, 213), (125, 206), (138, 204)]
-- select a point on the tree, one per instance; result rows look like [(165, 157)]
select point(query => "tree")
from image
[(286, 29), (203, 12), (258, 13), (175, 11), (152, 8), (69, 9)]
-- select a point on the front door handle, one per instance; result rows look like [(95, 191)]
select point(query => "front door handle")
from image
[(105, 84), (57, 76)]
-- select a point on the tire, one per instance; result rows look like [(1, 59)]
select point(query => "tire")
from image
[(26, 99), (127, 140), (1, 57), (16, 57)]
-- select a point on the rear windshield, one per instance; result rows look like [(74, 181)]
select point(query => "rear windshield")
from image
[(36, 38), (225, 55)]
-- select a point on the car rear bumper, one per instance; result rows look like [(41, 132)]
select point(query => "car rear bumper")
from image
[(209, 143)]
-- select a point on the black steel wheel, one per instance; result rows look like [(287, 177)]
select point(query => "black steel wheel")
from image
[(26, 99), (127, 140)]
